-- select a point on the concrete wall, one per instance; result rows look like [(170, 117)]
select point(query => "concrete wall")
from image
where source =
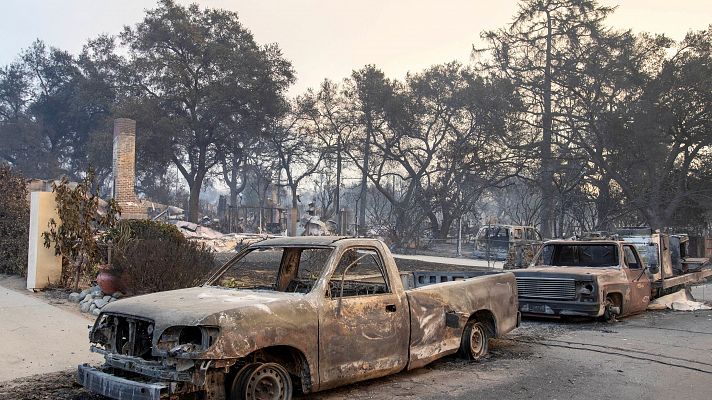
[(43, 267)]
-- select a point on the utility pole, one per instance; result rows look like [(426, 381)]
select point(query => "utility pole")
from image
[(364, 176), (337, 191), (459, 236), (357, 231)]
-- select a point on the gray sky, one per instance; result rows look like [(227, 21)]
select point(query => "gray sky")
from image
[(330, 38)]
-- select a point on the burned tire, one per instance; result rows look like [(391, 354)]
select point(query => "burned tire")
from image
[(235, 390), (475, 341), (611, 309), (258, 381)]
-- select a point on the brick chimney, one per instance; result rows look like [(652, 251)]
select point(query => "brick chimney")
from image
[(125, 169)]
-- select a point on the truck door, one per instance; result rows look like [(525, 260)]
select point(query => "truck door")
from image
[(640, 290), (364, 325)]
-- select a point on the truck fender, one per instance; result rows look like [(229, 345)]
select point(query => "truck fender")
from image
[(293, 360), (487, 317), (618, 300)]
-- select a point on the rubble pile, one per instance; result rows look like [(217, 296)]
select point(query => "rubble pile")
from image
[(681, 300), (92, 300), (219, 242), (195, 231)]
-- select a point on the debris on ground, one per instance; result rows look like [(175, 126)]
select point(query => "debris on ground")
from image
[(681, 300), (218, 241), (53, 386), (195, 231)]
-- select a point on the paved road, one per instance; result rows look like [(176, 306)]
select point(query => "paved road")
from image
[(36, 337), (657, 355)]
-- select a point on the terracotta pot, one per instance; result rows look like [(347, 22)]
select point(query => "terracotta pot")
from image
[(107, 281)]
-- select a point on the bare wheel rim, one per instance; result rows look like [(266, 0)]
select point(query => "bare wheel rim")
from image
[(267, 382), (477, 340), (238, 387)]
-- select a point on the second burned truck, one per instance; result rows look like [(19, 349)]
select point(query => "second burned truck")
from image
[(600, 277)]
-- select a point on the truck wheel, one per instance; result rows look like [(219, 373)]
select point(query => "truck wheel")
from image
[(236, 390), (610, 309), (261, 382), (475, 341)]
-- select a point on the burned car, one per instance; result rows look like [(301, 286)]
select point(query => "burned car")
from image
[(494, 242), (310, 313)]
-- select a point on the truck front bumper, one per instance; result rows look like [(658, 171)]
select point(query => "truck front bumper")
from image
[(555, 308), (118, 388)]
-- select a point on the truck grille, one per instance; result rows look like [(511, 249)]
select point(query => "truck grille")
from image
[(125, 335), (548, 288)]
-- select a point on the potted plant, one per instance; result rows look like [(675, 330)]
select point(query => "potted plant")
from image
[(110, 276)]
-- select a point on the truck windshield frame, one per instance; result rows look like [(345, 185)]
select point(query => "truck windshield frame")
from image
[(593, 255), (289, 269)]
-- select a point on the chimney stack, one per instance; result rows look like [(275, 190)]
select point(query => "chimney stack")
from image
[(125, 169)]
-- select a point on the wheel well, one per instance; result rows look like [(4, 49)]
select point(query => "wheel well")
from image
[(617, 298), (488, 318), (291, 358)]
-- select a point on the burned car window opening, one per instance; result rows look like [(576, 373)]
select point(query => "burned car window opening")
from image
[(360, 272), (281, 269), (579, 255), (631, 259)]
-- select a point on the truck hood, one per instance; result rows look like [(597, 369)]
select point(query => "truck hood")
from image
[(577, 273), (204, 305)]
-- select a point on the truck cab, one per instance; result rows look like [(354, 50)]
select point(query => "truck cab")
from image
[(591, 278)]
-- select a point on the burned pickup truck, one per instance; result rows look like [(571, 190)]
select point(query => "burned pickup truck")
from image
[(602, 277), (308, 312)]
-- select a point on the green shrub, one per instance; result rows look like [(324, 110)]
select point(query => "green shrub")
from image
[(74, 236), (154, 256), (14, 222)]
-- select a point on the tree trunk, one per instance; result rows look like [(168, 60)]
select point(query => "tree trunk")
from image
[(194, 201), (547, 173), (233, 196), (293, 215), (603, 207), (445, 226), (654, 219)]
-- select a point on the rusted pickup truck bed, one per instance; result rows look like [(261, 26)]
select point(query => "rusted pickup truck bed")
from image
[(432, 337)]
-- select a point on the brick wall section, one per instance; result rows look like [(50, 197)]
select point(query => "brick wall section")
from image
[(125, 169)]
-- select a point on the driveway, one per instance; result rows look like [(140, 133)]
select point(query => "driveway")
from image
[(38, 338)]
